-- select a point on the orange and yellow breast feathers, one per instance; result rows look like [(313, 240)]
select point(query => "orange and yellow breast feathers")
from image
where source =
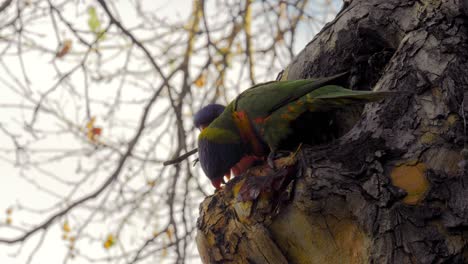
[(247, 133)]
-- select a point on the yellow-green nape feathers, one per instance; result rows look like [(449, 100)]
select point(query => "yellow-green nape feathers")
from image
[(219, 135)]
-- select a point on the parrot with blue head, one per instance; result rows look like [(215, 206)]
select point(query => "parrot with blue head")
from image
[(259, 120), (201, 120)]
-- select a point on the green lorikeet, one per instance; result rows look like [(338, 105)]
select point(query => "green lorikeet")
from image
[(259, 120)]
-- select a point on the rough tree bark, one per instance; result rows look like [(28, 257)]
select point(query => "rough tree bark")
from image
[(394, 189)]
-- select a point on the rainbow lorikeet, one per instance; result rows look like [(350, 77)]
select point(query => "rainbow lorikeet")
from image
[(257, 123)]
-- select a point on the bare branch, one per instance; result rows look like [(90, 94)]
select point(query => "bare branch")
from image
[(180, 158), (5, 4)]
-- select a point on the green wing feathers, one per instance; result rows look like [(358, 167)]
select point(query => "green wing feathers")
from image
[(263, 99), (276, 127)]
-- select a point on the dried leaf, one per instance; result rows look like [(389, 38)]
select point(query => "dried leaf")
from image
[(151, 183), (65, 48), (279, 37), (92, 132), (223, 51), (169, 234), (110, 241), (66, 227), (90, 123), (97, 131), (200, 81)]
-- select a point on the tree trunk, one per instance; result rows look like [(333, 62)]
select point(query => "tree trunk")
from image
[(394, 189)]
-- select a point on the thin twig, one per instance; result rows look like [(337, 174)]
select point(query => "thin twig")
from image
[(180, 158)]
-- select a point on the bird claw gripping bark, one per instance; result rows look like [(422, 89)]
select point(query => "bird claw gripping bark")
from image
[(263, 179), (271, 160), (275, 155), (254, 186)]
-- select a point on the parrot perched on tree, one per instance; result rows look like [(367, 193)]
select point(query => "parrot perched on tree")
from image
[(261, 119)]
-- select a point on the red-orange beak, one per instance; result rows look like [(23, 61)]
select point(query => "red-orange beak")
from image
[(217, 183)]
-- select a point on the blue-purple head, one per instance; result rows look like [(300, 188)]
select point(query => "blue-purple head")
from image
[(217, 157), (207, 114)]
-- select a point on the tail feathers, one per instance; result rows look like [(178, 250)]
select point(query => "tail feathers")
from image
[(331, 97)]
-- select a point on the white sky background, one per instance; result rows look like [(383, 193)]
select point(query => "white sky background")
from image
[(19, 184)]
